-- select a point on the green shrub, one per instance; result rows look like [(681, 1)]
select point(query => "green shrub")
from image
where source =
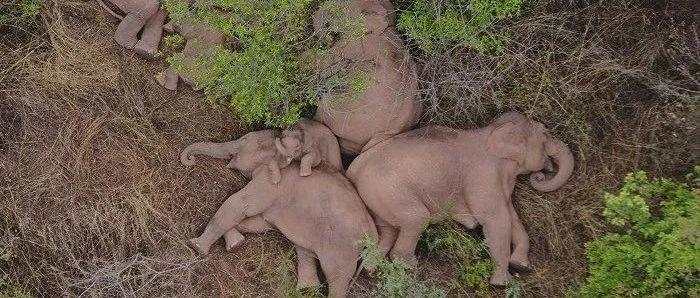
[(395, 278), (19, 12), (656, 249), (264, 80), (470, 255), (437, 25)]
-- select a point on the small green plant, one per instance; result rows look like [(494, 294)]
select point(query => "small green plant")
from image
[(7, 288), (470, 255), (19, 13), (656, 248), (265, 80), (173, 42), (438, 25), (395, 279)]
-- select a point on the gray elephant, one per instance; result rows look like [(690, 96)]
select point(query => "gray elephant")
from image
[(321, 213), (469, 175), (137, 16)]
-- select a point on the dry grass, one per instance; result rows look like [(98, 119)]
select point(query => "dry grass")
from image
[(94, 202)]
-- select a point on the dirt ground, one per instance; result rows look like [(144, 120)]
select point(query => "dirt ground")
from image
[(93, 199)]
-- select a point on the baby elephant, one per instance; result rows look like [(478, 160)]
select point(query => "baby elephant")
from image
[(136, 16), (321, 214), (467, 174), (311, 143)]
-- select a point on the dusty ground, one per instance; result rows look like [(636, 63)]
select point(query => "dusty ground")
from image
[(94, 201)]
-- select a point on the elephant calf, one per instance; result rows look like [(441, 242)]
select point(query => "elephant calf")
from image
[(321, 213), (467, 174), (136, 16)]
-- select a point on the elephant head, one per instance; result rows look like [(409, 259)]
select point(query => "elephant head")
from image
[(246, 154), (514, 137), (290, 145)]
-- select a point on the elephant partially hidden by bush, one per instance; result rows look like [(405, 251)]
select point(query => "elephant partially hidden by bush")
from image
[(370, 90), (320, 213), (469, 175)]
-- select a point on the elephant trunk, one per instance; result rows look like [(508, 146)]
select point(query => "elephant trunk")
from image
[(216, 150), (562, 156)]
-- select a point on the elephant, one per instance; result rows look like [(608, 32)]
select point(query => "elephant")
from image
[(467, 174), (321, 214), (145, 16), (201, 42), (387, 102), (311, 143)]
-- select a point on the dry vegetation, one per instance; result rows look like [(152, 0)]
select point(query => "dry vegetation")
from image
[(93, 200)]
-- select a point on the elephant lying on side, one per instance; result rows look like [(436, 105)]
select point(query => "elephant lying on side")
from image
[(467, 174), (321, 213), (376, 56), (135, 16)]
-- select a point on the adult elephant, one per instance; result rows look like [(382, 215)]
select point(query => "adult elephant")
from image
[(137, 16), (321, 213), (370, 84), (469, 175)]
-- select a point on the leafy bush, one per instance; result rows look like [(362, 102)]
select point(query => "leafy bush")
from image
[(470, 255), (656, 250), (394, 277), (436, 25), (19, 12), (264, 80)]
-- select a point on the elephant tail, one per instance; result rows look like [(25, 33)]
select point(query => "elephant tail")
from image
[(111, 8)]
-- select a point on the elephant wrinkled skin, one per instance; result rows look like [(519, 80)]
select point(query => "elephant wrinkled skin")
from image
[(136, 16), (388, 104), (321, 213), (469, 175)]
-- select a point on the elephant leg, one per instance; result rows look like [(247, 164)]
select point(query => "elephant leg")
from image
[(255, 224), (128, 29), (339, 269), (151, 36), (229, 215), (413, 221), (494, 216), (464, 216), (387, 235), (306, 268), (521, 245)]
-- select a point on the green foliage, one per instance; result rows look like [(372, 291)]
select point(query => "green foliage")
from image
[(470, 255), (656, 250), (437, 25), (395, 279), (19, 12), (264, 80), (173, 42)]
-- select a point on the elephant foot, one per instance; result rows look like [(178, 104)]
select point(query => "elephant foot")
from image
[(145, 51), (520, 264), (305, 172), (233, 239), (166, 83), (409, 259), (308, 282), (127, 42), (198, 246), (500, 278)]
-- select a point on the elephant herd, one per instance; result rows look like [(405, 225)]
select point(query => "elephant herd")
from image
[(400, 178)]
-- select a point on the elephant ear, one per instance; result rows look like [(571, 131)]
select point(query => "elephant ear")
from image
[(507, 140)]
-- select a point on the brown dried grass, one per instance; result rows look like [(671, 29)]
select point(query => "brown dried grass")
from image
[(94, 202)]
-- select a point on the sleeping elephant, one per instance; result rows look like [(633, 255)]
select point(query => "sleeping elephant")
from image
[(136, 16), (321, 214), (469, 175), (311, 143), (369, 89)]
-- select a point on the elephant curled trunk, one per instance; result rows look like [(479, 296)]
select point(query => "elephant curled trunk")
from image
[(562, 156), (215, 150)]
